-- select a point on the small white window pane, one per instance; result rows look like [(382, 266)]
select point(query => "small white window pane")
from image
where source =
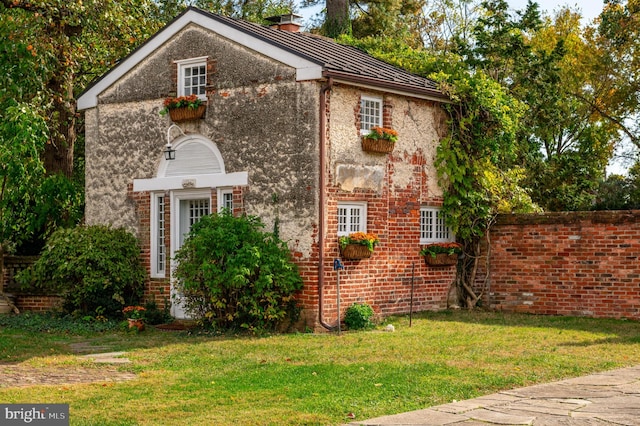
[(225, 200), (370, 113), (351, 218), (433, 226), (193, 77)]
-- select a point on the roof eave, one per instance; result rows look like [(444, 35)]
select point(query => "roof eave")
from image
[(389, 86)]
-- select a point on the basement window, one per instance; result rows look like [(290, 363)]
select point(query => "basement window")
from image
[(433, 228)]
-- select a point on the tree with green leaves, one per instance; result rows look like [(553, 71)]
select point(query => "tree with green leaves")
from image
[(22, 138)]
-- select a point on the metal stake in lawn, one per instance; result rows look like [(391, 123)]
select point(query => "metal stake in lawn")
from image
[(337, 265), (413, 273)]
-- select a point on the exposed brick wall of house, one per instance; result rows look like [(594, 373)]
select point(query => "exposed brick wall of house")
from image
[(385, 279), (577, 263)]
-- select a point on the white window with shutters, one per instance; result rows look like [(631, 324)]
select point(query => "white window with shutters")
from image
[(352, 217)]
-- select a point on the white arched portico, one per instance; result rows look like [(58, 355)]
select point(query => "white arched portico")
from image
[(188, 182)]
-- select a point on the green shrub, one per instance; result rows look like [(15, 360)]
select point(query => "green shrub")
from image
[(96, 269), (359, 316), (233, 274), (153, 315)]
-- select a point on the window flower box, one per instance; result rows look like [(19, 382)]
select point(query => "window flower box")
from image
[(380, 140), (184, 108), (441, 254), (357, 245)]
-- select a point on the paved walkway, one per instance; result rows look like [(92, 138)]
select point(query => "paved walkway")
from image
[(609, 398)]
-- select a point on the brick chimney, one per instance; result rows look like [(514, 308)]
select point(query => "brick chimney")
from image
[(289, 22)]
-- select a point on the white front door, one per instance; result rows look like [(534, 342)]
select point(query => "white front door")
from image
[(187, 209)]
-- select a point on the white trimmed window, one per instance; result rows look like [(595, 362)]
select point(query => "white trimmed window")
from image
[(225, 199), (370, 113), (352, 217), (432, 226), (158, 247), (192, 77)]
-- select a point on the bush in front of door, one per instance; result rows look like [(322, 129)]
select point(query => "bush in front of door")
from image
[(232, 274)]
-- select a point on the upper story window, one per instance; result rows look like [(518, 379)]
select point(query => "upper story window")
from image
[(432, 226), (192, 77), (352, 217), (370, 113)]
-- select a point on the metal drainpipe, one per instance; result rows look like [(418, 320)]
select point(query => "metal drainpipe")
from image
[(321, 231)]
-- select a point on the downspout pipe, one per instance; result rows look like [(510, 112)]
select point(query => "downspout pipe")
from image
[(322, 201)]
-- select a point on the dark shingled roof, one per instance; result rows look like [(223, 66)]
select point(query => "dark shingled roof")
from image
[(339, 61)]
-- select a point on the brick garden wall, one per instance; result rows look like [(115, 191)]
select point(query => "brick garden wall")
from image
[(574, 263), (25, 299)]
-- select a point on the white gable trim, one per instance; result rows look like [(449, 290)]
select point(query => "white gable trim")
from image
[(191, 182), (305, 69)]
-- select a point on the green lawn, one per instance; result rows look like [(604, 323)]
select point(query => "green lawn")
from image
[(320, 378)]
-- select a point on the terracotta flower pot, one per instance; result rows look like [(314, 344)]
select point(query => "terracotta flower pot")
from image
[(136, 323)]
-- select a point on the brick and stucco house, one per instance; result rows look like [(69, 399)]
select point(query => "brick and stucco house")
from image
[(281, 137)]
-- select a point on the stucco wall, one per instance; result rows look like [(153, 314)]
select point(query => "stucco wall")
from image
[(260, 118)]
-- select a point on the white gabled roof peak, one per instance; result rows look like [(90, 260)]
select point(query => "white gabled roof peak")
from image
[(306, 68)]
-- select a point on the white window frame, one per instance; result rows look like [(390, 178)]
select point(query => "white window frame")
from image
[(159, 250), (223, 202), (185, 64), (367, 121), (346, 227), (433, 228)]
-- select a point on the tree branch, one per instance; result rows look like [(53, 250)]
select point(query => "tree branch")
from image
[(634, 139)]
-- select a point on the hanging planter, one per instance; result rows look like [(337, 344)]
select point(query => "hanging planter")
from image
[(380, 140), (441, 259), (381, 146), (178, 115), (441, 254), (357, 245), (355, 252), (183, 108)]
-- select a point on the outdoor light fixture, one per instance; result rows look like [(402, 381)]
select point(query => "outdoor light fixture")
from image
[(169, 152)]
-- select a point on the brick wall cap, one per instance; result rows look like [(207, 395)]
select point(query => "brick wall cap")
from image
[(551, 218)]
